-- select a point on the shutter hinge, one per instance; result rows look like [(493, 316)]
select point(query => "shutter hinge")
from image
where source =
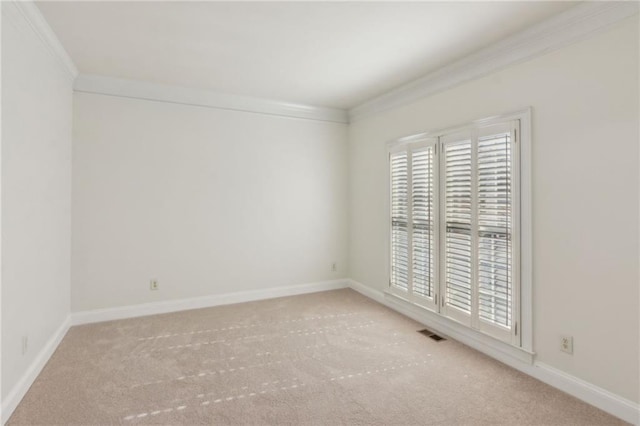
[(516, 326), (442, 302), (436, 299), (435, 148)]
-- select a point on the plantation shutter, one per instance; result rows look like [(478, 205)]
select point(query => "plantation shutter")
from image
[(478, 226), (423, 220), (457, 200), (495, 227), (413, 181), (454, 232), (399, 220)]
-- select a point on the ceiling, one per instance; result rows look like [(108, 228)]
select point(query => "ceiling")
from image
[(330, 54)]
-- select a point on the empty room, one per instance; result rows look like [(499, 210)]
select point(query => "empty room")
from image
[(320, 213)]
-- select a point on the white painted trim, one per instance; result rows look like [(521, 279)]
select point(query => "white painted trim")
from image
[(601, 398), (365, 290), (30, 12), (132, 311), (554, 33), (16, 394), (491, 346), (20, 389), (585, 391), (204, 98), (526, 230)]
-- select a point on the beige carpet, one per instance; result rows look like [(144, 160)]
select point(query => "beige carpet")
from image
[(326, 358)]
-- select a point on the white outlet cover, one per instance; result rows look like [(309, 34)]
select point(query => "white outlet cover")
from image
[(566, 344)]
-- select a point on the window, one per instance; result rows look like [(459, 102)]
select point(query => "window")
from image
[(455, 225)]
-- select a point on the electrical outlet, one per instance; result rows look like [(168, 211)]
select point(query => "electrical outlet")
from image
[(334, 267), (566, 344), (25, 344), (153, 285)]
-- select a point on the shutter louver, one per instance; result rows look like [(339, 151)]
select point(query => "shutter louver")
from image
[(422, 168), (457, 210), (399, 221), (494, 229)]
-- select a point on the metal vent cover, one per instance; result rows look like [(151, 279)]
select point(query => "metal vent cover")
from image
[(431, 334)]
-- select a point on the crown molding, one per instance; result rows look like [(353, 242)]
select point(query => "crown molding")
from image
[(32, 15), (204, 98), (563, 29)]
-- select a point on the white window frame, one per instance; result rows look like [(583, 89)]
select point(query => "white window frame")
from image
[(522, 338)]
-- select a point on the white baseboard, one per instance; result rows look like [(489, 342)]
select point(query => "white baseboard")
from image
[(607, 401), (501, 351), (591, 394), (603, 399), (20, 389), (16, 394), (132, 311), (371, 293)]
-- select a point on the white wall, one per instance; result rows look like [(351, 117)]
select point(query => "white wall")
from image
[(585, 195), (36, 191), (210, 201), (207, 201)]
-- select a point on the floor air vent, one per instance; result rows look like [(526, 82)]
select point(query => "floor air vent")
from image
[(431, 334)]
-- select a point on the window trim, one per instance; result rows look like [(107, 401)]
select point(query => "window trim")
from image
[(525, 321)]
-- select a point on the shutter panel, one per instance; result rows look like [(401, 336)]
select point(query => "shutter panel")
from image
[(458, 225), (495, 229), (422, 208), (399, 220)]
